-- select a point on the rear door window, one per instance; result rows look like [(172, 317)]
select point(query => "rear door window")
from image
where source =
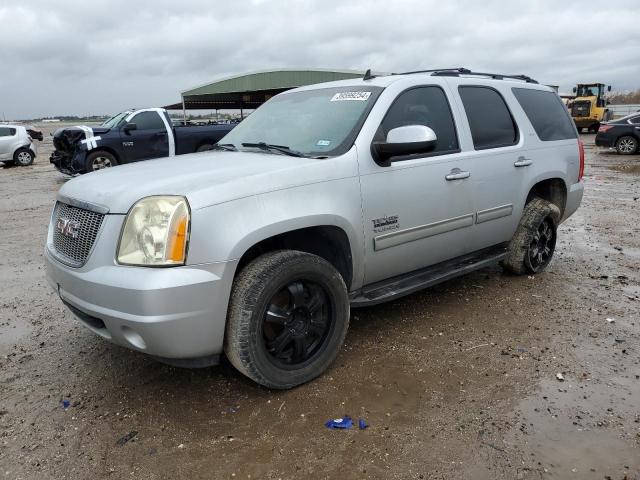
[(546, 113), (426, 106), (148, 121), (7, 132), (635, 120), (490, 120)]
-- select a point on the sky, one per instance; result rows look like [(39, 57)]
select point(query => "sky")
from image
[(102, 56)]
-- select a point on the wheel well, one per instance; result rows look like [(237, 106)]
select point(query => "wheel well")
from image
[(326, 241), (553, 190), (105, 149), (632, 134), (206, 141)]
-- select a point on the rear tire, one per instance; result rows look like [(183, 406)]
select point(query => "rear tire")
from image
[(532, 246), (627, 145), (594, 127), (23, 157), (204, 148), (100, 160), (288, 318)]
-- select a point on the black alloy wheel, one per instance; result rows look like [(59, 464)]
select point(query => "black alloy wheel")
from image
[(296, 324), (287, 319), (542, 246)]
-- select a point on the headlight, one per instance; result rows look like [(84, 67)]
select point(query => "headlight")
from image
[(156, 232)]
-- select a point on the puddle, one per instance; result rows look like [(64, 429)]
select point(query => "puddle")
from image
[(574, 430), (627, 168)]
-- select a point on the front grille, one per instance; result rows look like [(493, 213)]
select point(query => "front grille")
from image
[(581, 109), (73, 244)]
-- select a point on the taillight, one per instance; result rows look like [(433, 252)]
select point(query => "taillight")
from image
[(604, 128), (581, 150)]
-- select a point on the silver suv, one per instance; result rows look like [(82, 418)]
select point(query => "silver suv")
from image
[(327, 197)]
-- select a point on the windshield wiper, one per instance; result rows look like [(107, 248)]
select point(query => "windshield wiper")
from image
[(230, 147), (274, 148)]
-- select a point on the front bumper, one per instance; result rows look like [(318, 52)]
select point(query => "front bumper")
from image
[(174, 313), (68, 163)]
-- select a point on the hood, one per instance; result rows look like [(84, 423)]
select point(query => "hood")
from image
[(205, 178), (67, 138)]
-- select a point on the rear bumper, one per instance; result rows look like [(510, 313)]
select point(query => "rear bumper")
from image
[(604, 140), (574, 198), (174, 313)]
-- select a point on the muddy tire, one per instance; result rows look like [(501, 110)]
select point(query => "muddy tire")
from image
[(288, 317), (99, 160), (627, 145), (23, 157), (532, 246)]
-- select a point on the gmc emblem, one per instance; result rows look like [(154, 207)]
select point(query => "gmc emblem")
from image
[(68, 228)]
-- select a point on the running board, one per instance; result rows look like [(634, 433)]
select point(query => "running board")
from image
[(408, 283)]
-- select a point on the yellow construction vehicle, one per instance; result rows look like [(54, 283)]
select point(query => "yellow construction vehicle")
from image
[(589, 107)]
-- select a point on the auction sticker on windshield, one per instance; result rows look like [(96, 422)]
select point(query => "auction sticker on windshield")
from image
[(357, 96)]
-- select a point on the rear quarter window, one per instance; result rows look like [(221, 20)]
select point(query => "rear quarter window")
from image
[(490, 120), (7, 132), (546, 113)]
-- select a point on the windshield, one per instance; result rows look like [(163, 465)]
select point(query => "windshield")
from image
[(115, 120), (319, 122), (588, 91)]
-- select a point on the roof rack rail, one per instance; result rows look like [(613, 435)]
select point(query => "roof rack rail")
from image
[(456, 72), (495, 76), (455, 69)]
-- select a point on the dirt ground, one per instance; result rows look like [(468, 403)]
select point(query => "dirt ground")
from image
[(458, 381)]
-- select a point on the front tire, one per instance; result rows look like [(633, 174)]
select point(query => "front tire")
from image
[(627, 145), (23, 157), (100, 160), (288, 318), (532, 246)]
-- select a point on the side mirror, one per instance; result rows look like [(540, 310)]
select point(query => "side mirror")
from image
[(609, 88), (575, 89), (406, 140), (129, 127)]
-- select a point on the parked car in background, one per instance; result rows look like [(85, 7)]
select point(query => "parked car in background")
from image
[(127, 137), (622, 134), (334, 195), (16, 145)]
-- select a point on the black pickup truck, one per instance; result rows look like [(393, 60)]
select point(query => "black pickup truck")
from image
[(128, 137)]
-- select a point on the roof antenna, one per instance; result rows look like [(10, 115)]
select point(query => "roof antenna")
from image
[(368, 75)]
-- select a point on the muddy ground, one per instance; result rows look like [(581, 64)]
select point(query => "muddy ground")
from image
[(458, 381)]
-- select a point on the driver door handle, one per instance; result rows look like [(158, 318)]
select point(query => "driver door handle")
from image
[(457, 174), (522, 162)]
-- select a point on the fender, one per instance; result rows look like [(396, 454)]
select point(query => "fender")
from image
[(225, 232)]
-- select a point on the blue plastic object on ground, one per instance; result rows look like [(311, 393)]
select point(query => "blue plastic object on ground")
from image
[(340, 423), (66, 404), (362, 424)]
